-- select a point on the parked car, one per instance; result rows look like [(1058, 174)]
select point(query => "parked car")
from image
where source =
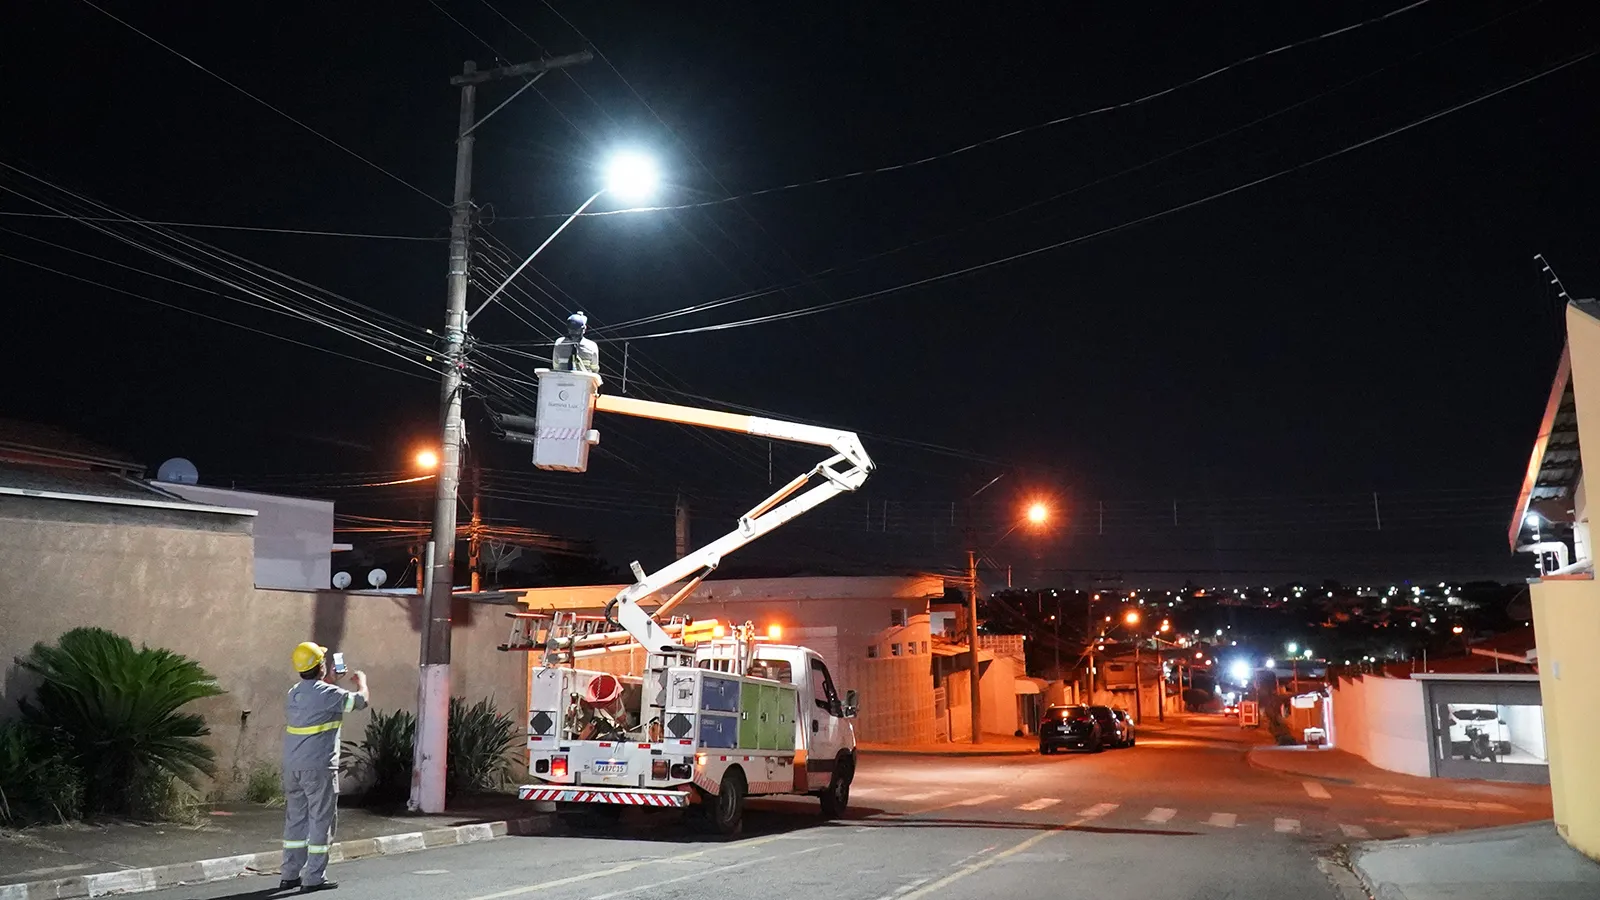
[(1467, 721), (1126, 721), (1116, 726), (1069, 726)]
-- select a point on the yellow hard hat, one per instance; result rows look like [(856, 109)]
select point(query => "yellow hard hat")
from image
[(308, 656)]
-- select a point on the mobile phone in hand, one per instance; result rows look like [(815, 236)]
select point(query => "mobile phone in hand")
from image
[(338, 664)]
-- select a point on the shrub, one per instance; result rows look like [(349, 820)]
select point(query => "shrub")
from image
[(385, 751), (480, 738), (36, 783), (114, 710), (1196, 699), (264, 786)]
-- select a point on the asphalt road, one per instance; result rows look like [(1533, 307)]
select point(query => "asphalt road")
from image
[(1182, 815)]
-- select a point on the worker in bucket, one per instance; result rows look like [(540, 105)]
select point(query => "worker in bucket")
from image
[(316, 708), (576, 353)]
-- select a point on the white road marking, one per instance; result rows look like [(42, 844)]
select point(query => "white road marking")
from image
[(1223, 820), (1317, 791), (982, 864), (925, 795), (1160, 814), (727, 868), (1098, 810), (1286, 826), (1355, 832), (978, 800), (1041, 803), (1441, 803), (624, 867)]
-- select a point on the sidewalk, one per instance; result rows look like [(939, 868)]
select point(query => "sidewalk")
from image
[(1340, 767), (80, 860), (1520, 862), (993, 745)]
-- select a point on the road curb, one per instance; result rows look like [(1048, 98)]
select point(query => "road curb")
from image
[(1250, 757), (134, 881)]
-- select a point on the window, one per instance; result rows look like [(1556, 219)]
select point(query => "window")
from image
[(897, 618), (822, 688), (924, 646), (894, 649), (872, 651)]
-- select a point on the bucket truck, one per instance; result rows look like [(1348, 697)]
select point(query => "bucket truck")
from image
[(719, 711)]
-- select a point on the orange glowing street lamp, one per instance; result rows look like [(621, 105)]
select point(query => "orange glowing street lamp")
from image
[(427, 459), (1132, 618), (1038, 514)]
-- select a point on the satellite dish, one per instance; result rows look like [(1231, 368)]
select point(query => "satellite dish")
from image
[(377, 577), (178, 471), (341, 580)]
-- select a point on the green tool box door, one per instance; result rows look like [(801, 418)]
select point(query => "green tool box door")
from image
[(750, 715)]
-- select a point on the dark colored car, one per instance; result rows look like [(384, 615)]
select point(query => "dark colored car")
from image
[(1069, 726), (1114, 731)]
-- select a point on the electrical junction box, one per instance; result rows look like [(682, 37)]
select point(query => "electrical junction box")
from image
[(566, 411)]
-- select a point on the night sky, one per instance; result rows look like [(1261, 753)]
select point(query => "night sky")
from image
[(1216, 390)]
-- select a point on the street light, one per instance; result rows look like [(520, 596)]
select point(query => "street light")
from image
[(1132, 618), (1038, 513), (629, 175), (427, 459), (1034, 515)]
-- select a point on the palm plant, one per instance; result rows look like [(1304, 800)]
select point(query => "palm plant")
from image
[(386, 752), (115, 711), (36, 784), (480, 737)]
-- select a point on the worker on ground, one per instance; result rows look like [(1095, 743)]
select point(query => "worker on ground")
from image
[(576, 353), (315, 709)]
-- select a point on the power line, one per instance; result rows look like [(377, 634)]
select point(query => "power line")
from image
[(1018, 132), (124, 23), (1112, 229), (343, 234)]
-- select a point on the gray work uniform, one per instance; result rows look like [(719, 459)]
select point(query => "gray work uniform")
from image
[(315, 710)]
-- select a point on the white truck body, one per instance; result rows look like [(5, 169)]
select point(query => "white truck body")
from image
[(783, 729)]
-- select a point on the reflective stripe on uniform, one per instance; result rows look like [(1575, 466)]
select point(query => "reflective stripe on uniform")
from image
[(293, 845), (349, 702), (316, 848), (314, 729)]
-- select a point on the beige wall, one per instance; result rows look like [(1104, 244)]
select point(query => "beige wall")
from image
[(1566, 622), (1382, 720), (192, 592)]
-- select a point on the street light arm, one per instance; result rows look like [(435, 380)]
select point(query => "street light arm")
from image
[(537, 250)]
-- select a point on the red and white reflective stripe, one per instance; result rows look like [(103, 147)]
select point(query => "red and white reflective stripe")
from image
[(570, 795)]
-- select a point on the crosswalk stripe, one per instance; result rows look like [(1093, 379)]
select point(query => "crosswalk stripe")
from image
[(1041, 803), (1097, 810), (1160, 814), (1286, 826), (976, 801), (1317, 791), (1223, 820), (1355, 831), (922, 796)]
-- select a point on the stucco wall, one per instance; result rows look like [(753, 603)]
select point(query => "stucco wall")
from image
[(192, 592), (1383, 721), (1566, 623)]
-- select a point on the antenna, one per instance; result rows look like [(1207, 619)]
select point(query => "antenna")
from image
[(178, 471), (377, 577), (341, 580)]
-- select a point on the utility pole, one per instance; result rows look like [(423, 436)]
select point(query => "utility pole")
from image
[(1138, 684), (475, 534), (433, 688), (681, 527), (972, 644), (1088, 634)]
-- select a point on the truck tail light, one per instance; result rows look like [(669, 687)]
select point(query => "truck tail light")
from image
[(658, 769), (558, 766)]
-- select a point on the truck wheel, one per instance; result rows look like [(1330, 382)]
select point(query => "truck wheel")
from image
[(836, 796), (727, 808)]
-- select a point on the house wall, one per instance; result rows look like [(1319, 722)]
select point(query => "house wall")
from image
[(1566, 622), (188, 587), (1382, 720), (293, 535)]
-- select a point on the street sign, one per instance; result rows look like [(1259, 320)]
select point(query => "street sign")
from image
[(1249, 714)]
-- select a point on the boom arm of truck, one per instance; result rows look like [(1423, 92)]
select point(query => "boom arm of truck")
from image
[(845, 471)]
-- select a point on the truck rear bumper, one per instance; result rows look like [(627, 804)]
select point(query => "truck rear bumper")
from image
[(618, 796)]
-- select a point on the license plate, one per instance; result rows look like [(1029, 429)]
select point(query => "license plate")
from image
[(610, 767)]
